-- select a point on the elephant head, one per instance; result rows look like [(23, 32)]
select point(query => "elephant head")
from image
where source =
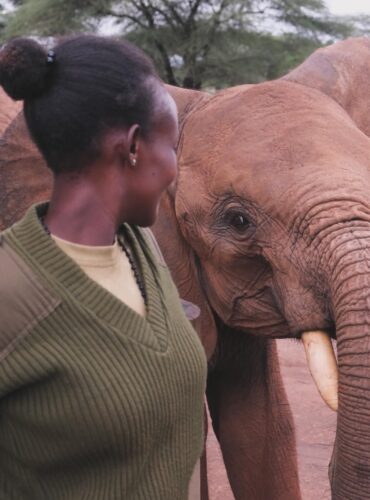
[(273, 197)]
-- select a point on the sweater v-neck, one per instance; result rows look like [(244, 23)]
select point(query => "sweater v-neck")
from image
[(43, 255)]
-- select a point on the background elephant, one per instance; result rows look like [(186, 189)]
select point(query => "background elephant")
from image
[(270, 236)]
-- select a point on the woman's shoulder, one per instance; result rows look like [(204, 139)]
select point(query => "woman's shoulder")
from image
[(24, 299)]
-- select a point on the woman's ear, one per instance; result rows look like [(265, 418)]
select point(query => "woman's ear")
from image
[(133, 142)]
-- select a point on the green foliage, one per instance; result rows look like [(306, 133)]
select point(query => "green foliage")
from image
[(196, 43), (48, 17), (2, 19), (255, 57)]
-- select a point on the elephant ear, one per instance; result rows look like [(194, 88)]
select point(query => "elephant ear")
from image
[(9, 110), (342, 71), (186, 101), (182, 262), (178, 254), (24, 178)]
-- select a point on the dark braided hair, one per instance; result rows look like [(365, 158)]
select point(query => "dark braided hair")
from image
[(87, 86)]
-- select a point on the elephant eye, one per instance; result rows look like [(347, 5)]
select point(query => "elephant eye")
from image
[(239, 221)]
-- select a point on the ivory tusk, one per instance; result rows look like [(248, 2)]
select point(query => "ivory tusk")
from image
[(323, 365)]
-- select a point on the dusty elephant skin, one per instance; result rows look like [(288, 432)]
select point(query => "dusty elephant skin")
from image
[(268, 231)]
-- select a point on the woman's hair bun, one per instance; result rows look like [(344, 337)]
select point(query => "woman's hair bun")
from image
[(23, 68)]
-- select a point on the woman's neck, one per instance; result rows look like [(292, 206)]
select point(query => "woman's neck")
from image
[(82, 213)]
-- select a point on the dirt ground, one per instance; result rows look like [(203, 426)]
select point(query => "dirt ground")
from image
[(315, 430)]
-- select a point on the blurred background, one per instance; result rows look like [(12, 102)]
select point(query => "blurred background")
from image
[(208, 44)]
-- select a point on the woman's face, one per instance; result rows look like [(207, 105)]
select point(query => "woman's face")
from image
[(156, 166)]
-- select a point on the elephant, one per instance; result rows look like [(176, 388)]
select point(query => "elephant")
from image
[(267, 230)]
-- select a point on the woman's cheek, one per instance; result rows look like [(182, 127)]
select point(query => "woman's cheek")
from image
[(166, 168)]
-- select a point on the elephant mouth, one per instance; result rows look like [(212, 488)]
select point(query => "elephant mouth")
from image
[(257, 314), (248, 315), (320, 355)]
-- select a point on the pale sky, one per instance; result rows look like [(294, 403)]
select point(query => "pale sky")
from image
[(351, 7)]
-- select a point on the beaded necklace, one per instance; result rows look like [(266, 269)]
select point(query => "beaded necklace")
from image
[(134, 268)]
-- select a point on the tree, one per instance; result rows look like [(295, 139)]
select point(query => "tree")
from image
[(2, 19), (195, 42)]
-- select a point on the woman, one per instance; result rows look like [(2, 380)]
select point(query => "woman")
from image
[(101, 375)]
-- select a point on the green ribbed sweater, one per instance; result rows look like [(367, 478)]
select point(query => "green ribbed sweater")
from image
[(96, 402)]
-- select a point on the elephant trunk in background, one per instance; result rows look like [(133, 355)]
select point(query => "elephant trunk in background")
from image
[(348, 271)]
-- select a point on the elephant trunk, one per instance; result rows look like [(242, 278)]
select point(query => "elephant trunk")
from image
[(349, 284)]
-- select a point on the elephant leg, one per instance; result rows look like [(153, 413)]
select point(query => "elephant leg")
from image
[(252, 419)]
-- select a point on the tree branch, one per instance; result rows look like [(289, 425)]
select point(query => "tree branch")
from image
[(171, 79), (135, 20), (145, 9), (190, 20), (173, 11)]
